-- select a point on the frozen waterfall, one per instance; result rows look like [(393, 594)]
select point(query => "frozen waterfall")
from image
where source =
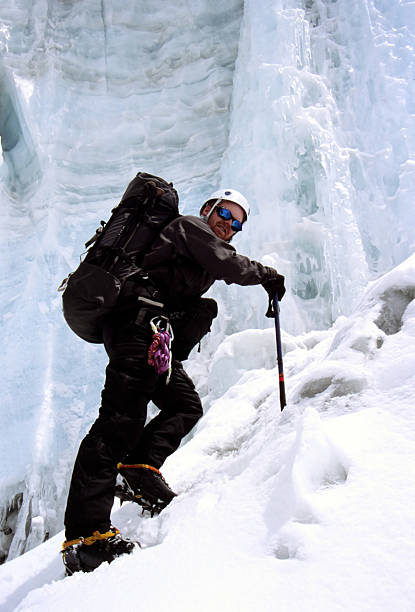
[(306, 106)]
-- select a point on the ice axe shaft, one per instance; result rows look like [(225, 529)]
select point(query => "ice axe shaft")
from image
[(279, 351)]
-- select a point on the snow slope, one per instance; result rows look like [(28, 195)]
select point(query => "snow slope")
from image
[(309, 509)]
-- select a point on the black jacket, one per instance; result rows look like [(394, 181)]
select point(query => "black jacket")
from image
[(187, 257)]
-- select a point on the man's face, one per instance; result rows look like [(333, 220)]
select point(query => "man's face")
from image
[(222, 227)]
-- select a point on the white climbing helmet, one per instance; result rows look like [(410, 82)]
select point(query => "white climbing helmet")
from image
[(231, 195)]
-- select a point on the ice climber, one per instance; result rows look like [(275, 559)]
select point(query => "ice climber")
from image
[(186, 258)]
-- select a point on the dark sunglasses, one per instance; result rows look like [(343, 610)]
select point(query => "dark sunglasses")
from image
[(226, 214)]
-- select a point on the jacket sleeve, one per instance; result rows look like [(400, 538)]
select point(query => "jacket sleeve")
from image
[(195, 239)]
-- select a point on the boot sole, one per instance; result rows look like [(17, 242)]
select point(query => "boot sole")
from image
[(124, 493)]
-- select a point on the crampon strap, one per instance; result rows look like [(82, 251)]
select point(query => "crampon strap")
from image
[(97, 535), (128, 466), (159, 352)]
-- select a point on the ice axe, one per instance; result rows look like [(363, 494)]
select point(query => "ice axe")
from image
[(274, 311)]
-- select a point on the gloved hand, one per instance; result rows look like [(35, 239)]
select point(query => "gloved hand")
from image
[(273, 284)]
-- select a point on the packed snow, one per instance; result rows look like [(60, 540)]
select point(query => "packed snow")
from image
[(309, 508), (307, 107)]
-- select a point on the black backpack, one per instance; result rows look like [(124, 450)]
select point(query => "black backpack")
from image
[(115, 253)]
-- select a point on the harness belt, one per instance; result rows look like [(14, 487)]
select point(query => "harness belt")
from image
[(150, 302)]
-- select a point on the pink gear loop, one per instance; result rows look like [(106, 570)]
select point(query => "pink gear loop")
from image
[(159, 352)]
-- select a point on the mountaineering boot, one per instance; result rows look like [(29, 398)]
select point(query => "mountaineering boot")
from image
[(86, 554), (144, 485)]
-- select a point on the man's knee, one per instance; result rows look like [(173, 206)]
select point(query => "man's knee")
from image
[(194, 409), (179, 395)]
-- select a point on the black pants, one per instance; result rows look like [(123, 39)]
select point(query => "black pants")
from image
[(119, 433)]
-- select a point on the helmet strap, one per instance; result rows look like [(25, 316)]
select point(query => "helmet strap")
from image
[(218, 201)]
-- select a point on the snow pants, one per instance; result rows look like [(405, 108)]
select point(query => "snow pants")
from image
[(120, 433)]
